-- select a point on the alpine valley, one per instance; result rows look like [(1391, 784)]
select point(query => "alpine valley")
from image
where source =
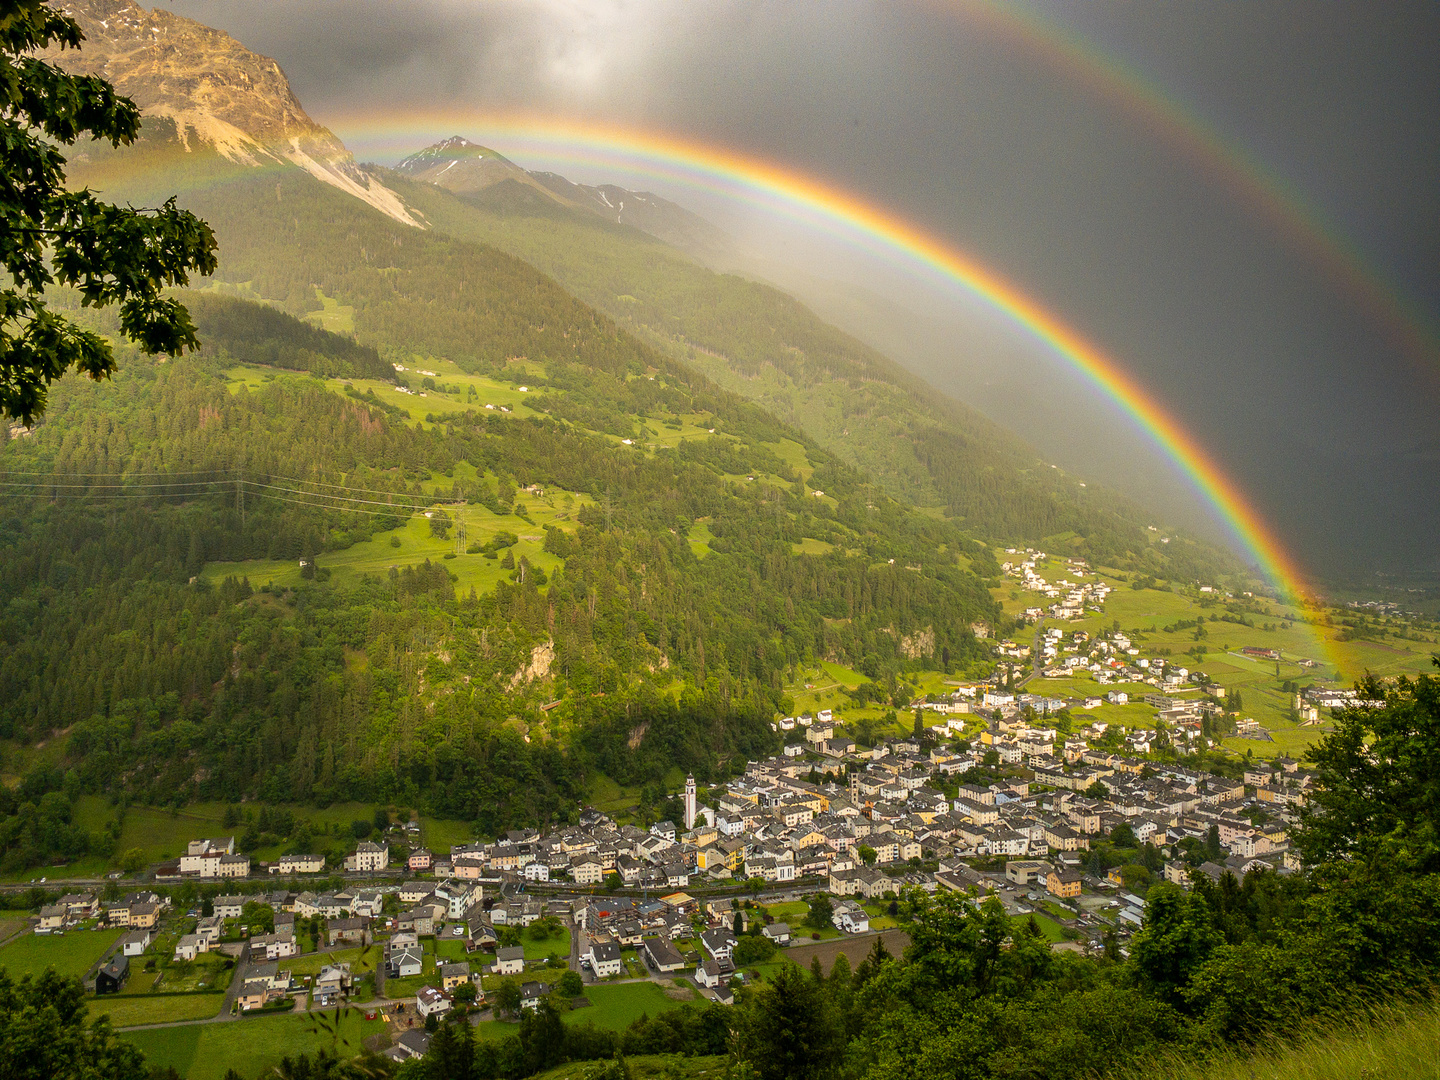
[(508, 604), (472, 495)]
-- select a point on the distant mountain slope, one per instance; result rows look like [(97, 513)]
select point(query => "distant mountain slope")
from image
[(471, 170), (217, 110), (761, 343), (217, 92)]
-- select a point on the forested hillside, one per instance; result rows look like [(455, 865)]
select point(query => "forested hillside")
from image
[(693, 548), (433, 293), (646, 652), (763, 344)]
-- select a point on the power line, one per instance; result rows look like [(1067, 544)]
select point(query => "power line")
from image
[(108, 475), (48, 485), (50, 490), (345, 487), (323, 506), (342, 498)]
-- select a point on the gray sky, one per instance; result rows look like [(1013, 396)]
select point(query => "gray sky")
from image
[(952, 116)]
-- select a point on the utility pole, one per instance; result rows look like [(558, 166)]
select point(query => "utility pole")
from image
[(459, 533), (240, 496)]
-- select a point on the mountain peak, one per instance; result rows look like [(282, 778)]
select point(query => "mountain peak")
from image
[(469, 169), (216, 91), (448, 152)]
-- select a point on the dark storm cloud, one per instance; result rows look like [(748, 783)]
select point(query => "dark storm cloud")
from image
[(927, 110)]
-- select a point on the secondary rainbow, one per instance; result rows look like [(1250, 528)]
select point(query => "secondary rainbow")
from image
[(1255, 184), (781, 190)]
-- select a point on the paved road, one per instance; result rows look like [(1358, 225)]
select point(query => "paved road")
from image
[(237, 983), (228, 1013), (1035, 647)]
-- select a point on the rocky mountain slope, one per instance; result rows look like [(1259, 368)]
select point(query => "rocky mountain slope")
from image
[(217, 92)]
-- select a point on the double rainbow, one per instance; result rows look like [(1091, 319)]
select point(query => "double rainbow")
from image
[(777, 189), (1254, 185)]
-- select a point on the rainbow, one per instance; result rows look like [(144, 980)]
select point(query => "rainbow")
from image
[(776, 189), (1258, 187)]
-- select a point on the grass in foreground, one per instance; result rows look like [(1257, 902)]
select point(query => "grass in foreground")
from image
[(125, 1011), (645, 1067), (617, 1007), (1393, 1043), (70, 953), (249, 1046)]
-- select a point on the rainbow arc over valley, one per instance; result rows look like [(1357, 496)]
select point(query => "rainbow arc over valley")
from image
[(1256, 186), (780, 190)]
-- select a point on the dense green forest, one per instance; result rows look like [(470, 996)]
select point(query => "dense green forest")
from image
[(447, 292), (167, 689), (646, 648)]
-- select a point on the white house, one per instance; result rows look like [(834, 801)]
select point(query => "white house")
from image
[(850, 918), (368, 857), (510, 961), (713, 973), (429, 1000), (190, 946), (605, 959)]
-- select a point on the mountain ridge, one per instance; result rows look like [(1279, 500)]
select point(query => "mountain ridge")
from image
[(216, 91), (752, 339), (470, 170)]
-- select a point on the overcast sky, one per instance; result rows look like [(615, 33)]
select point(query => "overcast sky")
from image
[(951, 115)]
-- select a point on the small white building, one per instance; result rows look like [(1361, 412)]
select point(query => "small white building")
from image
[(190, 946), (368, 857), (510, 961), (605, 959), (429, 1000)]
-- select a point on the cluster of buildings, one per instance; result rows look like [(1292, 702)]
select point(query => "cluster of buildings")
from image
[(1073, 599), (207, 859)]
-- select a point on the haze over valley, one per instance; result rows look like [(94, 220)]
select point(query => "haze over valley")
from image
[(512, 568)]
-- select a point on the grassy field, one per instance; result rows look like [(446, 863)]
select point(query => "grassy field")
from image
[(441, 836), (336, 317), (1053, 930), (823, 685), (124, 1011), (69, 954), (1144, 614), (699, 538), (250, 1046), (808, 545), (558, 945), (360, 961), (208, 971), (647, 1067), (1393, 1044), (615, 1008), (163, 834), (376, 556)]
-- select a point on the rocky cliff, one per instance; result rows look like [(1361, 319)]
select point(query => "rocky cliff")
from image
[(216, 91)]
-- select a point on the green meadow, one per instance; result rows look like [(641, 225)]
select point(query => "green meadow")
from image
[(127, 1011), (251, 1046), (1297, 635), (162, 834), (616, 1007), (413, 543), (70, 953)]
